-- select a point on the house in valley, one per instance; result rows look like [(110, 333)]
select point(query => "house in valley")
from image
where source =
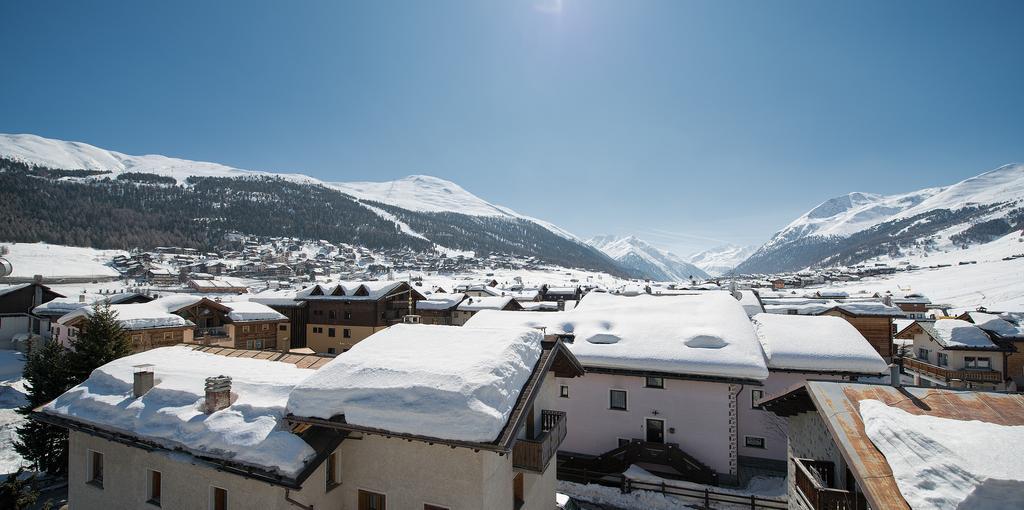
[(52, 311), (471, 305), (855, 445), (1007, 334), (439, 309), (954, 353), (663, 381), (797, 348), (344, 313), (874, 320), (19, 324), (189, 427), (149, 325)]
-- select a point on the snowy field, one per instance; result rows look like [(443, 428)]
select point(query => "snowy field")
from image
[(56, 261), (12, 396)]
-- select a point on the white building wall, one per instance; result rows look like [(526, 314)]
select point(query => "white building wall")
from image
[(696, 415)]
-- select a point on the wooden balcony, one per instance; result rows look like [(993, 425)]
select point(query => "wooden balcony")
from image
[(533, 454), (945, 374), (813, 481)]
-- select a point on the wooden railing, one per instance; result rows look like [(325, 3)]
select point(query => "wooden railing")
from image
[(533, 454), (945, 374), (812, 480), (205, 332)]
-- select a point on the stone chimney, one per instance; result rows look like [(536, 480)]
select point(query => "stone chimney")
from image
[(81, 298), (218, 393), (143, 380)]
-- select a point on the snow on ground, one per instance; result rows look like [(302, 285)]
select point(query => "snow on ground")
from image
[(250, 431), (56, 261), (12, 396), (704, 334), (996, 285), (445, 382), (942, 463), (824, 342)]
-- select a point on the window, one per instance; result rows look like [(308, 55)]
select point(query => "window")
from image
[(153, 489), (332, 314), (922, 354), (654, 382), (617, 400), (266, 327), (318, 312), (348, 314), (623, 442), (755, 395), (218, 498), (563, 391), (943, 359), (245, 329), (282, 327), (978, 363), (331, 471), (331, 350), (791, 311), (753, 442), (330, 332), (95, 470), (346, 333), (258, 344), (371, 501), (318, 331), (428, 506)]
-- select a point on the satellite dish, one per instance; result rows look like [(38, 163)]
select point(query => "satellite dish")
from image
[(5, 268)]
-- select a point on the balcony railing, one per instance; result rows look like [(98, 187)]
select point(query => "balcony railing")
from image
[(533, 454), (205, 332), (945, 374), (813, 478)]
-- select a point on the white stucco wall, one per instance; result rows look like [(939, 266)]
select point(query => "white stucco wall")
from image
[(698, 412)]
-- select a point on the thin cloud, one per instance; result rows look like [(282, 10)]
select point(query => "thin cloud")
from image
[(548, 6), (665, 234)]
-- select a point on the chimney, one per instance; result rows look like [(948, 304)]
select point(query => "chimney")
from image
[(81, 298), (894, 376), (561, 305), (218, 393), (143, 380)]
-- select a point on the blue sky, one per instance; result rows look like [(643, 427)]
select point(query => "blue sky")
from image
[(685, 123)]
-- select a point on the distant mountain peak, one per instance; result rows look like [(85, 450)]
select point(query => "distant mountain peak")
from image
[(643, 259)]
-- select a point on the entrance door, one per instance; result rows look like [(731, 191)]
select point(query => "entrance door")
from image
[(655, 431)]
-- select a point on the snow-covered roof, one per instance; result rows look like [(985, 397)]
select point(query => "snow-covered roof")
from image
[(374, 290), (11, 288), (150, 315), (440, 302), (706, 334), (940, 462), (276, 298), (250, 431), (250, 311), (751, 304), (995, 324), (955, 333), (870, 308), (62, 306), (819, 343), (445, 382), (474, 304)]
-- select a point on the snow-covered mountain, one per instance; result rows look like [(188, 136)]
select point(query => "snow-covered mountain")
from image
[(722, 259), (412, 205), (859, 226), (646, 260)]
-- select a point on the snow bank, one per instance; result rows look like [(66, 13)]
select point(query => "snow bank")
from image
[(958, 333), (56, 261), (437, 381), (250, 431), (702, 334), (823, 343), (942, 463), (249, 311)]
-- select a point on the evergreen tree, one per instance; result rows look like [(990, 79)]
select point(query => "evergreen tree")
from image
[(101, 340), (47, 375), (17, 492)]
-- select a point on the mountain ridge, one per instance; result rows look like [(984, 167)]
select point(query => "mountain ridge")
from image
[(646, 260)]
